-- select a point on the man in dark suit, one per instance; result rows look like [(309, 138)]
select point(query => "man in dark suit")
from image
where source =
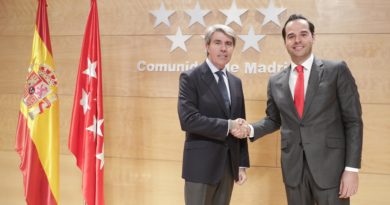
[(209, 97), (316, 105)]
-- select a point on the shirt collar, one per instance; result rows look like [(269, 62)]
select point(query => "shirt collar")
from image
[(306, 64), (213, 68)]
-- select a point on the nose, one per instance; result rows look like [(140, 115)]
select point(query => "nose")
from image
[(223, 47), (298, 39)]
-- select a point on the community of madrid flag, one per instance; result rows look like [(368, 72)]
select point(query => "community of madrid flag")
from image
[(37, 137), (86, 129)]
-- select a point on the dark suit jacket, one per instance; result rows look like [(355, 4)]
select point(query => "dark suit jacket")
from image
[(204, 118), (330, 131)]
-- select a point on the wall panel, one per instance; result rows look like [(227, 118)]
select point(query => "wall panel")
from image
[(137, 128), (12, 191), (133, 182), (143, 139), (373, 189), (376, 141), (162, 182), (134, 18), (121, 55)]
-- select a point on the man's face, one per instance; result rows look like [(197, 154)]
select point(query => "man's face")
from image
[(299, 40), (220, 49)]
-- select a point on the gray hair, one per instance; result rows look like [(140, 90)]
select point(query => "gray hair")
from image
[(220, 28)]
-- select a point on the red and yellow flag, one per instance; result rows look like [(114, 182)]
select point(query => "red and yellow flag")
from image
[(37, 137), (87, 129)]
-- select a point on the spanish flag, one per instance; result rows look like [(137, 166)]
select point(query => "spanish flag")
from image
[(37, 137)]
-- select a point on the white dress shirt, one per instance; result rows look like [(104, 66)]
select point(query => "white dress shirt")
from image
[(214, 69), (306, 72)]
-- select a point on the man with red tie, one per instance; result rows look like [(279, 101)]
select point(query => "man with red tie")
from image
[(315, 104)]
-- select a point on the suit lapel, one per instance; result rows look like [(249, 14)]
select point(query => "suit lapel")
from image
[(233, 92), (284, 80), (209, 79), (312, 87)]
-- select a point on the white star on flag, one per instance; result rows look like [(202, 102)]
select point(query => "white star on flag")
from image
[(233, 14), (162, 15), (95, 127), (197, 15), (271, 13), (250, 40), (91, 70), (85, 101), (100, 157), (178, 40)]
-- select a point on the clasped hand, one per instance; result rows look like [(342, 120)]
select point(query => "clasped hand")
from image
[(240, 128)]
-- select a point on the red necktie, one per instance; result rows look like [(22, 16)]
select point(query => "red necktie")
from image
[(299, 96)]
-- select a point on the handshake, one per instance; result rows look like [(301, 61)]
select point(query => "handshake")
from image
[(239, 128)]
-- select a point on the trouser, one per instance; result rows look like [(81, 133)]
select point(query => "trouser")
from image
[(211, 194), (308, 192)]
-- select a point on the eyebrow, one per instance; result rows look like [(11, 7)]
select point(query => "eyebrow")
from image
[(218, 40), (292, 33)]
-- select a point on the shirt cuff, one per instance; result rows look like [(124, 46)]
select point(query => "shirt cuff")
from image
[(229, 126), (351, 169), (252, 133)]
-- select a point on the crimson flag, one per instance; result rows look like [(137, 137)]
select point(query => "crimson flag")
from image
[(86, 138)]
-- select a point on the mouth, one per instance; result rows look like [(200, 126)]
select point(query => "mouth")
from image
[(298, 48), (222, 56)]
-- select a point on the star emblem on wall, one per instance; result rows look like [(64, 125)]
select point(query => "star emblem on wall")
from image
[(233, 14), (271, 13), (178, 40), (162, 15), (251, 39), (197, 15)]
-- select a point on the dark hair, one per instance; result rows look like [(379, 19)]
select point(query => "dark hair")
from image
[(294, 17)]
